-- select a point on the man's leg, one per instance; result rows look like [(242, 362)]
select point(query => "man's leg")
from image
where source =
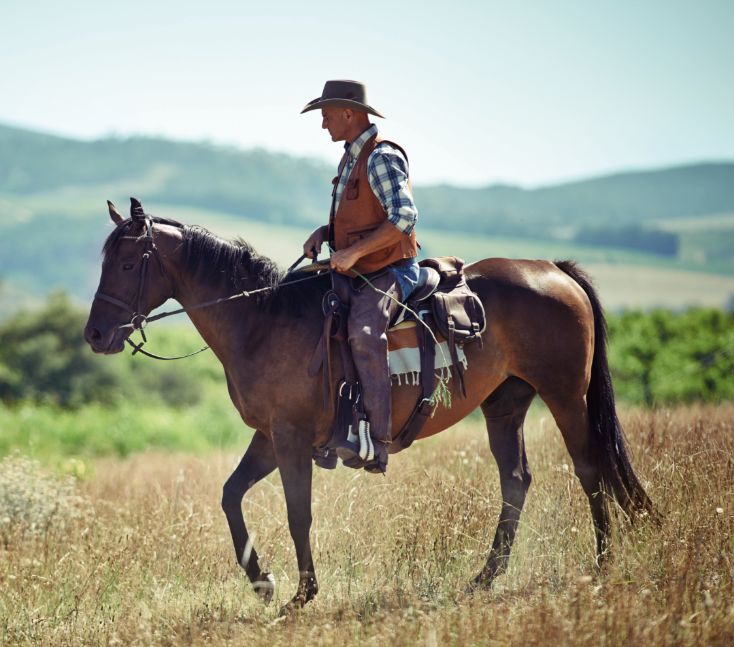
[(369, 317)]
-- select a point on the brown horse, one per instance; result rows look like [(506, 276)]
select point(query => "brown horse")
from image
[(546, 335)]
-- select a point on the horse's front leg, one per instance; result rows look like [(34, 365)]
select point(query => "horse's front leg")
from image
[(256, 464), (293, 452)]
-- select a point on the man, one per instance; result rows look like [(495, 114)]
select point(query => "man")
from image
[(370, 233)]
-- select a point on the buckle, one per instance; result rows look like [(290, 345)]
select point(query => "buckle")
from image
[(423, 404), (331, 304), (138, 321)]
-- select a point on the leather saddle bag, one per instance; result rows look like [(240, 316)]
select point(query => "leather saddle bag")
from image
[(458, 313)]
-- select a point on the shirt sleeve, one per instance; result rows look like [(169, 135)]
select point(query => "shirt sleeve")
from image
[(387, 171)]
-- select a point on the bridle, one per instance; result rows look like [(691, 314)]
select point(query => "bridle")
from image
[(139, 320)]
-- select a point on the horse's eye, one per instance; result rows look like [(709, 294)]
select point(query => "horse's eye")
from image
[(127, 266)]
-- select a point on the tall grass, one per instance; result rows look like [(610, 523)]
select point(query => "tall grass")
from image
[(154, 562)]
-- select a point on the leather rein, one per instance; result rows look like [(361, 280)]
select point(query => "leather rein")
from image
[(139, 321)]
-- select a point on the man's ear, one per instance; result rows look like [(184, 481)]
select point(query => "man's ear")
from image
[(114, 213)]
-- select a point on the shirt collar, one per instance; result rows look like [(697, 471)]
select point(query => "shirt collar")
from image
[(355, 148)]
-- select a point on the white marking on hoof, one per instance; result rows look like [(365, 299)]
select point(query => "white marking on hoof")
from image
[(265, 588)]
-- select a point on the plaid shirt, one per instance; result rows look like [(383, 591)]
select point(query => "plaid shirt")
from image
[(387, 170)]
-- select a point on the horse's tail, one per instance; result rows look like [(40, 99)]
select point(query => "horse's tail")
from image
[(618, 475)]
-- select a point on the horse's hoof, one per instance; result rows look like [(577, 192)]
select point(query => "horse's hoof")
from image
[(479, 583), (307, 590), (264, 586), (295, 605)]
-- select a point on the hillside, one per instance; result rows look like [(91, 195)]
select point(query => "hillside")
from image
[(52, 214), (633, 198), (267, 186), (279, 188)]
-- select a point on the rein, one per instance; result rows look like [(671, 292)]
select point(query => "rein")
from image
[(139, 321)]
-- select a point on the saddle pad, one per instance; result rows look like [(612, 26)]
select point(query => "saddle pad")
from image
[(405, 359)]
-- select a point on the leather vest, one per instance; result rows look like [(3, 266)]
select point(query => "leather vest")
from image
[(359, 213)]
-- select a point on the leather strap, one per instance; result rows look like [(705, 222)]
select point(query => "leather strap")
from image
[(456, 366), (424, 408), (327, 386), (335, 183), (317, 357), (332, 308)]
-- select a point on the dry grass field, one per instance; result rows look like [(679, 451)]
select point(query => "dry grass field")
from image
[(137, 551)]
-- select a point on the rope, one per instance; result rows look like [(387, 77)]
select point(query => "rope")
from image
[(213, 302), (144, 321)]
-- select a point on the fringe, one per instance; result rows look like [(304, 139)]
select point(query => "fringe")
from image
[(413, 378)]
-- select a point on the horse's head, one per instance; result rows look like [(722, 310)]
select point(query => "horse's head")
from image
[(133, 281)]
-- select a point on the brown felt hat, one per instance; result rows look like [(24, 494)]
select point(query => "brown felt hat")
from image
[(343, 94)]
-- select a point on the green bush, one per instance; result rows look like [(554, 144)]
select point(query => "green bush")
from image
[(661, 357), (44, 358), (46, 431)]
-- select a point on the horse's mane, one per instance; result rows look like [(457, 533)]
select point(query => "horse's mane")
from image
[(215, 260)]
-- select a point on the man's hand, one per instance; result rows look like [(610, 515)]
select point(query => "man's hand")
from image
[(315, 241), (344, 259), (384, 236)]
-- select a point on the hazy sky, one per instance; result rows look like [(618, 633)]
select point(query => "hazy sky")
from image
[(477, 92)]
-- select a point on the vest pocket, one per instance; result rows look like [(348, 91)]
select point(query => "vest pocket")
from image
[(352, 190)]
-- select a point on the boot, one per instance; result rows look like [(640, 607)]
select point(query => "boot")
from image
[(379, 464)]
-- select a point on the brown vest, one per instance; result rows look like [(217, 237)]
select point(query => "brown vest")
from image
[(360, 213)]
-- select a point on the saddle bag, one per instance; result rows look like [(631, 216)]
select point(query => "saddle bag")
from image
[(457, 311)]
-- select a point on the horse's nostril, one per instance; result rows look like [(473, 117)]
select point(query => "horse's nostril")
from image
[(92, 334)]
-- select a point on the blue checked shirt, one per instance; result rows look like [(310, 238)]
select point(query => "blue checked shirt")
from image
[(387, 170)]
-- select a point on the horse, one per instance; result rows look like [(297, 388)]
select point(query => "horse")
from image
[(545, 336)]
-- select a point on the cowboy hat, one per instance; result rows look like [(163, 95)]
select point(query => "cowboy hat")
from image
[(343, 94)]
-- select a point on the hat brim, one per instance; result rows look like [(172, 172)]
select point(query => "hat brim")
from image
[(318, 103)]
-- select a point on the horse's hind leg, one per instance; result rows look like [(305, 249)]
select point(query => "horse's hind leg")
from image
[(256, 464), (572, 418), (504, 412)]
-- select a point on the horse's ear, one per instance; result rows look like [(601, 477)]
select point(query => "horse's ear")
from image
[(114, 213), (136, 209)]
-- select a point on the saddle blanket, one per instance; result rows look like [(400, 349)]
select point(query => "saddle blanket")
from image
[(405, 358)]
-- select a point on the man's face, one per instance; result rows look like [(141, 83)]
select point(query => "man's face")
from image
[(336, 121)]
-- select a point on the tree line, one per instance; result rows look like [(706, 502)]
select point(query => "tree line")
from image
[(657, 358)]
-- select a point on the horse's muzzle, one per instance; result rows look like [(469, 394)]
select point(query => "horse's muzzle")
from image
[(109, 343)]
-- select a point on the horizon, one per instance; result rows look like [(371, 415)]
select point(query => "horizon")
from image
[(478, 94), (233, 145)]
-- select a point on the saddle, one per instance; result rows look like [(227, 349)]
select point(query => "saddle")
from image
[(442, 301)]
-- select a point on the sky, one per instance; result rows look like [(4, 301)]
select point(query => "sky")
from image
[(477, 92)]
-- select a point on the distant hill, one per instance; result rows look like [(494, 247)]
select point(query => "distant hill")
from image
[(279, 188), (52, 193), (637, 197), (263, 185)]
